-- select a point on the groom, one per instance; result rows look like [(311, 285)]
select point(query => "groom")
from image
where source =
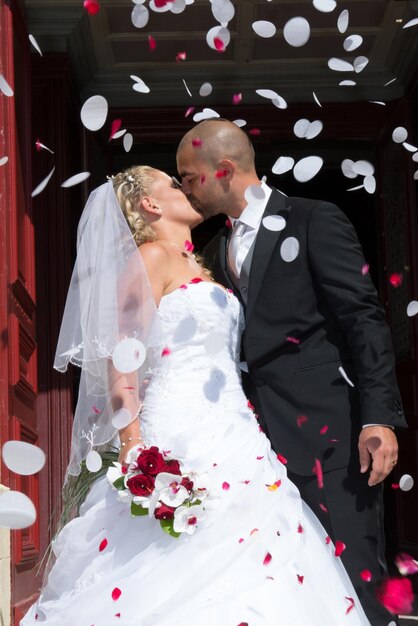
[(319, 355)]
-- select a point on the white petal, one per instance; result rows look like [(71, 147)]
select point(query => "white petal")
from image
[(282, 165), (35, 44), (297, 32), (347, 168), (325, 6), (390, 82), (267, 93), (93, 461), (347, 83), (344, 375), (254, 194), (5, 87), (140, 16), (127, 142), (289, 250), (301, 128), (113, 474), (406, 482), (206, 114), (218, 32), (214, 343), (76, 179), (139, 85), (128, 355), (187, 89), (279, 102), (16, 510), (205, 90), (3, 160), (383, 104), (370, 184), (360, 63), (416, 175), (42, 184), (314, 129), (400, 134), (119, 133), (412, 308), (274, 223), (307, 168), (315, 97), (415, 157), (356, 188), (243, 365), (352, 43), (339, 65), (121, 418), (412, 22), (240, 123), (409, 147), (343, 20), (22, 457), (94, 112), (263, 28), (178, 6), (223, 10), (364, 168)]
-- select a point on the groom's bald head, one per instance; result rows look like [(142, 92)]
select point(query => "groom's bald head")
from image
[(218, 139)]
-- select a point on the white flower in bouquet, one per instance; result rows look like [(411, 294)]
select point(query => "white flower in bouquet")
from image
[(187, 518)]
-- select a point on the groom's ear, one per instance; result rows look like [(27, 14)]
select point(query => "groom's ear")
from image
[(226, 170)]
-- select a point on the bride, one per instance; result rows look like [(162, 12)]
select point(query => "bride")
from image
[(260, 557)]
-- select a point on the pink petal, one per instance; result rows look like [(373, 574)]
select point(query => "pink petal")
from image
[(324, 430), (96, 410), (181, 56), (294, 340), (328, 540), (225, 486), (236, 98), (319, 475), (406, 564), (282, 459), (196, 280), (396, 595), (366, 575), (221, 173), (197, 143), (183, 287), (240, 540), (301, 419), (219, 44), (249, 404), (267, 559), (300, 529), (396, 280), (243, 624), (254, 131), (188, 246), (229, 225), (365, 269), (323, 508), (116, 593), (189, 111), (117, 614), (116, 124), (259, 458), (300, 579), (245, 482), (253, 532), (152, 43), (339, 548), (92, 6), (395, 485), (103, 545), (166, 352), (351, 601)]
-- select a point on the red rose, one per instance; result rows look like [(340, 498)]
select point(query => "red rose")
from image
[(151, 462), (140, 485), (164, 512), (187, 483), (396, 595), (172, 467)]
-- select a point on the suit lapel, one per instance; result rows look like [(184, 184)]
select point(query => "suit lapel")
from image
[(221, 271), (265, 243)]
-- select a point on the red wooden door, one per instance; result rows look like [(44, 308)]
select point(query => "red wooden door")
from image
[(18, 377)]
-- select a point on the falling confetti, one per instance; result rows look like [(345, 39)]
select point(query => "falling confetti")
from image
[(42, 184), (76, 179), (35, 44), (22, 458)]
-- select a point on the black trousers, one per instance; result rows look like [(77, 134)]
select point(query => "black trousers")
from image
[(355, 517)]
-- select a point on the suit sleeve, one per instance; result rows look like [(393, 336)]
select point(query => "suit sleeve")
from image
[(336, 260)]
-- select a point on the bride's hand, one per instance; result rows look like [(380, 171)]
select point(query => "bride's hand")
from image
[(125, 448)]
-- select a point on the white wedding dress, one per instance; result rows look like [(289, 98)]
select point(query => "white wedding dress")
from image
[(219, 576)]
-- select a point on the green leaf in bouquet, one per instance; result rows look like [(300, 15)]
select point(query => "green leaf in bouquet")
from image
[(119, 483), (137, 509), (167, 526)]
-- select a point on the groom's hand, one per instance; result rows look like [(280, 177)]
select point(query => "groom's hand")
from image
[(378, 448)]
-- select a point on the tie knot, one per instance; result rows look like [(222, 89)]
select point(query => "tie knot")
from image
[(238, 228)]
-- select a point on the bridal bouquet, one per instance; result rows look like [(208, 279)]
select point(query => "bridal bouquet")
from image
[(154, 485)]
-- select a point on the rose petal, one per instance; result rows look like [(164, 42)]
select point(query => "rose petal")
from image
[(297, 32), (301, 419), (406, 564), (319, 475), (267, 559), (324, 430), (300, 578), (323, 507), (225, 486), (94, 113), (366, 575), (412, 308), (116, 593), (103, 545), (151, 43), (339, 548), (351, 601), (365, 269), (300, 528), (282, 459), (396, 280), (264, 28), (396, 595), (406, 483)]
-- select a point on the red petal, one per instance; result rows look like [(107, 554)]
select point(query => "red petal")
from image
[(339, 548), (395, 485), (324, 430), (38, 145), (300, 578), (319, 475), (351, 604), (267, 559), (188, 246), (327, 540), (243, 624), (152, 43), (96, 410), (181, 56), (282, 459), (240, 540), (116, 593), (253, 532), (259, 458), (366, 575), (196, 280), (396, 595), (396, 280), (117, 614), (300, 529), (221, 173), (116, 124), (166, 352), (293, 340), (301, 419), (225, 486), (236, 98), (197, 143), (229, 225), (103, 545), (219, 44), (254, 131), (92, 6), (323, 508), (189, 111)]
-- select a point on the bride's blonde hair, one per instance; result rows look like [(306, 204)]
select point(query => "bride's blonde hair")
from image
[(130, 186)]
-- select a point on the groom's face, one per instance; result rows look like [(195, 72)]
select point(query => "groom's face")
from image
[(200, 183)]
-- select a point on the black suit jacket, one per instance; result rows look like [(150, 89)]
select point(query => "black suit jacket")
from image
[(330, 311)]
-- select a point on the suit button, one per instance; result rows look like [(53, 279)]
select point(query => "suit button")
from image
[(259, 381)]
